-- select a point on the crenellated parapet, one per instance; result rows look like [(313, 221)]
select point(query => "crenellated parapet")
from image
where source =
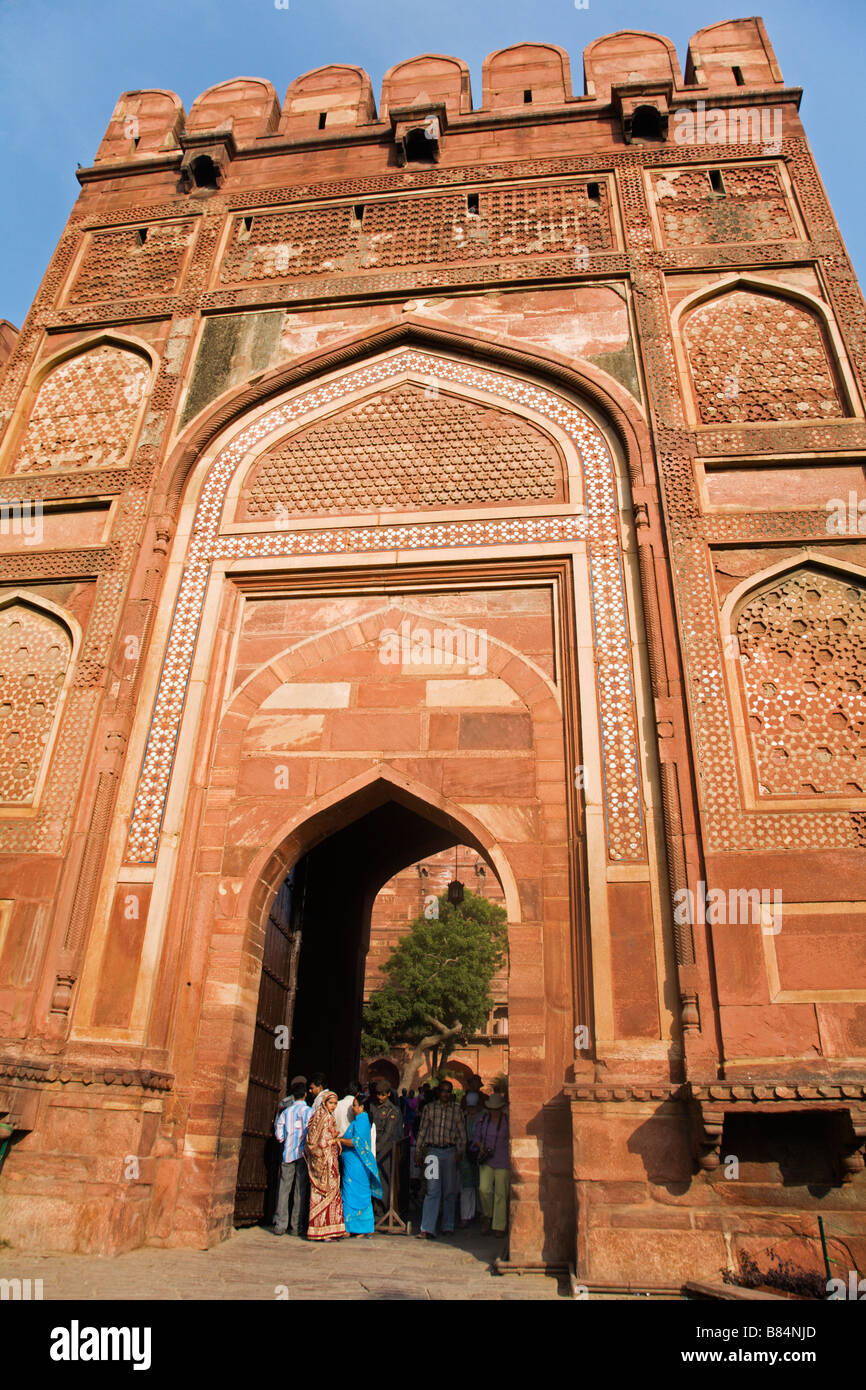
[(623, 73)]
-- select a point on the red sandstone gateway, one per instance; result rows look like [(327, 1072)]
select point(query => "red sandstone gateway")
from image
[(552, 372)]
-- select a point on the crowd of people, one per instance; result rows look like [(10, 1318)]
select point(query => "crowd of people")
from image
[(341, 1158)]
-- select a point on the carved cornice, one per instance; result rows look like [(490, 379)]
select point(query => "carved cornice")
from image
[(769, 1092), (727, 1094), (45, 1072), (597, 1092), (56, 564)]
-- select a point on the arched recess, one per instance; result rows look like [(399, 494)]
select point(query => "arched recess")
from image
[(461, 1072), (203, 556), (349, 636), (731, 388), (795, 642), (383, 1069), (39, 644), (125, 374)]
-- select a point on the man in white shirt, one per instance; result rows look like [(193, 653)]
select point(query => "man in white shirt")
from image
[(290, 1129), (343, 1112)]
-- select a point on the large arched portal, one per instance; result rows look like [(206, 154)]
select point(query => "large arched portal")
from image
[(411, 579)]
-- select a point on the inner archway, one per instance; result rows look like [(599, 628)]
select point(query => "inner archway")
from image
[(311, 992), (412, 894), (338, 883)]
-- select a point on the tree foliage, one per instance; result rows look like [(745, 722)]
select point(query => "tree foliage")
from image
[(436, 992)]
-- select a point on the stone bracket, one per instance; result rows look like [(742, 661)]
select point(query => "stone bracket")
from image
[(216, 145), (628, 97), (431, 118)]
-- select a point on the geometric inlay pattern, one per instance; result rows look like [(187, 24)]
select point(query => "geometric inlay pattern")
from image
[(728, 826), (406, 448), (34, 654), (757, 358), (803, 649), (132, 261), (753, 207), (598, 524), (85, 412), (419, 231)]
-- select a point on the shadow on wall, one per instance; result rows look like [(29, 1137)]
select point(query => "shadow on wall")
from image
[(551, 1126)]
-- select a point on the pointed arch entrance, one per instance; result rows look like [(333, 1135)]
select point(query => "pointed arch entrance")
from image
[(315, 944)]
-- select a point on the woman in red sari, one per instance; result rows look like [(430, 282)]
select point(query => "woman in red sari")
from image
[(322, 1151)]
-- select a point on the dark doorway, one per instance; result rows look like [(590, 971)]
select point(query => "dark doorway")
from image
[(312, 979), (341, 879)]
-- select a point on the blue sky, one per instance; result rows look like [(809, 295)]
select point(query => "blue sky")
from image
[(63, 64)]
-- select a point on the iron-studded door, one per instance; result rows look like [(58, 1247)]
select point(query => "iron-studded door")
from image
[(258, 1169)]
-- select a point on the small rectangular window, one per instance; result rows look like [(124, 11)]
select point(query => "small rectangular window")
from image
[(323, 116), (472, 204), (527, 96), (738, 76), (245, 228), (593, 193), (358, 213), (717, 183), (141, 236)]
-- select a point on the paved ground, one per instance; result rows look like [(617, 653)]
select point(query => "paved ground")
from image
[(253, 1264)]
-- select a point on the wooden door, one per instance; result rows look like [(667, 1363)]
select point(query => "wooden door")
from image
[(258, 1169)]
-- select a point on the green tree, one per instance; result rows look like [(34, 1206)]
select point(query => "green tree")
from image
[(436, 992)]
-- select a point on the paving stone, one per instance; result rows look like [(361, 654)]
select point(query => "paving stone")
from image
[(251, 1266)]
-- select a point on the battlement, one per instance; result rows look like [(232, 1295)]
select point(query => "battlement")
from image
[(423, 97)]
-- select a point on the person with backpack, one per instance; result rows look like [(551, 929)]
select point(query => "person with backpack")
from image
[(490, 1139)]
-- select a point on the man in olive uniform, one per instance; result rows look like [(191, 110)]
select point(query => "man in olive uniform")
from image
[(385, 1115)]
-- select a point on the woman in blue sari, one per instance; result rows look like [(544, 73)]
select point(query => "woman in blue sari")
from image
[(360, 1173)]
